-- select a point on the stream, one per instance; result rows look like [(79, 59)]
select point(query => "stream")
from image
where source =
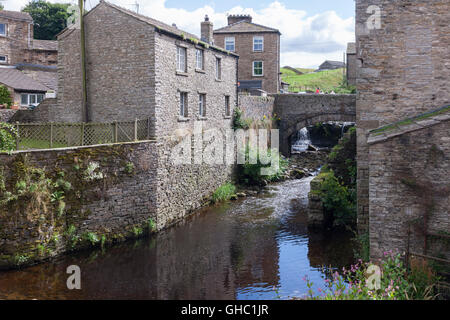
[(253, 248)]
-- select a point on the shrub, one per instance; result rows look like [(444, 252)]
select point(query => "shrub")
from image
[(239, 122), (8, 134), (5, 96), (251, 173), (338, 200), (223, 193)]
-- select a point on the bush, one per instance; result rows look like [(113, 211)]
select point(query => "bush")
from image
[(8, 134), (223, 193), (5, 96), (338, 200), (239, 122), (251, 173)]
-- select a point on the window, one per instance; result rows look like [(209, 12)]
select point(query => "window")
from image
[(31, 99), (199, 59), (183, 104), (181, 59), (2, 29), (229, 44), (227, 106), (258, 69), (3, 59), (202, 104), (258, 43), (218, 69)]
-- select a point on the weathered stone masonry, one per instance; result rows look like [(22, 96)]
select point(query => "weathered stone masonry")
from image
[(117, 202), (404, 68)]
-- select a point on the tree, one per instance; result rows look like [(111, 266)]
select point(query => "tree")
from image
[(49, 18), (5, 96)]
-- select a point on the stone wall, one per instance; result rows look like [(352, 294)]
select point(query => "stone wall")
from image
[(16, 40), (404, 71), (116, 200), (409, 186), (41, 113), (6, 114), (256, 107)]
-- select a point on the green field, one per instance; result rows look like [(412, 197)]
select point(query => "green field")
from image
[(327, 81)]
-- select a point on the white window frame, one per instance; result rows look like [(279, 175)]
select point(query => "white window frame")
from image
[(218, 68), (230, 39), (199, 59), (202, 105), (30, 98), (6, 59), (5, 29), (262, 69), (183, 112), (256, 38), (181, 59), (227, 106)]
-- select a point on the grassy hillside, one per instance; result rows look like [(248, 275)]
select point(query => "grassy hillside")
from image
[(327, 81)]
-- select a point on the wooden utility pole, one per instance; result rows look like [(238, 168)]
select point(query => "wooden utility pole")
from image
[(84, 104)]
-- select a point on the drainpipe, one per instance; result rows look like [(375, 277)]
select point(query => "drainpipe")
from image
[(84, 104)]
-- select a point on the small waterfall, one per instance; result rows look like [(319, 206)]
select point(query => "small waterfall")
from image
[(302, 141)]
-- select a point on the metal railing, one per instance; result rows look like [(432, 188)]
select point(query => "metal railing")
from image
[(61, 135)]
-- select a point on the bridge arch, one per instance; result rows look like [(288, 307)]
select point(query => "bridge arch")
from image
[(299, 111)]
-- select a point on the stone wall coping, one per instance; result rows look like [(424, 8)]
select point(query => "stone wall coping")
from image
[(78, 147), (409, 125), (313, 95)]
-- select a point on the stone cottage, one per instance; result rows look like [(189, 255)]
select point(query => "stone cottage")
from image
[(141, 68), (17, 43), (403, 115), (258, 48)]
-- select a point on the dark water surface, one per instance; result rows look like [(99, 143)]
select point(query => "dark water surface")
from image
[(255, 248)]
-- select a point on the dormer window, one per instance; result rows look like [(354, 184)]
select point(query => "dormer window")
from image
[(2, 29), (258, 44)]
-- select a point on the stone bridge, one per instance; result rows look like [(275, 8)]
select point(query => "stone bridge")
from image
[(301, 110)]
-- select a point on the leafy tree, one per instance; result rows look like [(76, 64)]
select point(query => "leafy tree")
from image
[(49, 18), (1, 7), (5, 96)]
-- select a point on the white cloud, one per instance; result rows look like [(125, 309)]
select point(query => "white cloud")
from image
[(306, 41)]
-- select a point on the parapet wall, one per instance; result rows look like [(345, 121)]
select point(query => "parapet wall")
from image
[(255, 107)]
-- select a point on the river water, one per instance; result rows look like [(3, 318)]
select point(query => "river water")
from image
[(254, 248)]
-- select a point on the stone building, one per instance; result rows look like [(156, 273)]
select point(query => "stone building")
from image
[(351, 64), (17, 43), (402, 123), (259, 52), (141, 68), (331, 65)]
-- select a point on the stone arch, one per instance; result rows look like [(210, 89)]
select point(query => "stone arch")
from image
[(297, 123)]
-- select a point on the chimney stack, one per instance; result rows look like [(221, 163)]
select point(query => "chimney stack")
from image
[(207, 31), (234, 18)]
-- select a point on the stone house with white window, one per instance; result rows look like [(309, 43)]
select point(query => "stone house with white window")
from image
[(258, 48), (140, 68)]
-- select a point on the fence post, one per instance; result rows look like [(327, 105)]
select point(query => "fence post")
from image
[(17, 135), (82, 134), (115, 132), (135, 129), (51, 135)]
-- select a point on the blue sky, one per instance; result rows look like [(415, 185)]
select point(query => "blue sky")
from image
[(312, 31)]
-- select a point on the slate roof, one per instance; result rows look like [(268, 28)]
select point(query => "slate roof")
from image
[(245, 27), (16, 15), (338, 64), (49, 45), (17, 80)]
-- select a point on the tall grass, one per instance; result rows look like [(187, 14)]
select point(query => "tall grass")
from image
[(223, 193)]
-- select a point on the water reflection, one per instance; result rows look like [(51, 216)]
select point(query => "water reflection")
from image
[(257, 248)]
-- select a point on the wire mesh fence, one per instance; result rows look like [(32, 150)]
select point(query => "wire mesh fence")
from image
[(60, 135)]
